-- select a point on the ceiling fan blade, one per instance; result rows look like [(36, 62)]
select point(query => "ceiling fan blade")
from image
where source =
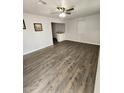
[(70, 9), (68, 13)]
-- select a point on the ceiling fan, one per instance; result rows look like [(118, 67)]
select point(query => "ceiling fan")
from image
[(63, 11)]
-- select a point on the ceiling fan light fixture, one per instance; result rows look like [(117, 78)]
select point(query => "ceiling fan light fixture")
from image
[(62, 15), (62, 9)]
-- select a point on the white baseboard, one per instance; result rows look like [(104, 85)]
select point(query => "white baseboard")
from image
[(84, 42), (25, 53)]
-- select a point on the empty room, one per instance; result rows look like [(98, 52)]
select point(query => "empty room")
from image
[(61, 45)]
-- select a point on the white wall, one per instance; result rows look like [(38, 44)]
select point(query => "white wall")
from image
[(58, 27), (32, 40), (84, 29)]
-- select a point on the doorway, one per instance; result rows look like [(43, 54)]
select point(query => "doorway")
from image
[(56, 29)]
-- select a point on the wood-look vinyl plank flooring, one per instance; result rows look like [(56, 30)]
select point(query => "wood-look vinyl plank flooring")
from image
[(67, 67)]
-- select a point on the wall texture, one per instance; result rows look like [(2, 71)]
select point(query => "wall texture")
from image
[(32, 40), (85, 29)]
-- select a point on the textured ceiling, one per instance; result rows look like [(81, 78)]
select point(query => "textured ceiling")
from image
[(82, 7)]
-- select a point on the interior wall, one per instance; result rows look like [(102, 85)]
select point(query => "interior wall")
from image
[(32, 40), (57, 27), (84, 29)]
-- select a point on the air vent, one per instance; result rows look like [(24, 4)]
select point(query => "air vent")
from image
[(42, 2)]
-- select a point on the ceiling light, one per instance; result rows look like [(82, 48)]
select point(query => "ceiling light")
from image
[(62, 15)]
